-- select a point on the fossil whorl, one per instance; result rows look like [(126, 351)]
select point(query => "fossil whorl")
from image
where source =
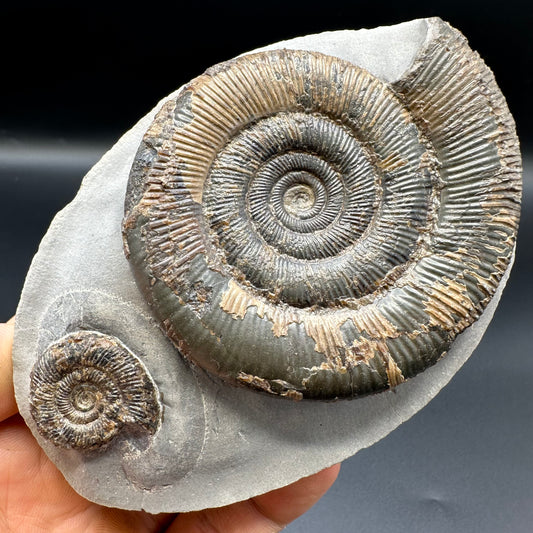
[(86, 387), (302, 227)]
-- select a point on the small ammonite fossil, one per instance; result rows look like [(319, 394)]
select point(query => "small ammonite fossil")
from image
[(305, 228), (86, 387)]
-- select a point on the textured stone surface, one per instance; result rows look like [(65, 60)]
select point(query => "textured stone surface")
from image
[(217, 444)]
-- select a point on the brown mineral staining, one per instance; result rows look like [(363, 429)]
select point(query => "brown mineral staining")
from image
[(310, 231), (199, 299), (324, 328), (255, 382), (392, 162), (236, 301), (283, 388), (325, 331), (448, 304), (361, 351), (292, 394), (87, 387), (394, 374)]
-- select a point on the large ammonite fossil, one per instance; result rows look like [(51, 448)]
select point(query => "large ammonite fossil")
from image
[(302, 227)]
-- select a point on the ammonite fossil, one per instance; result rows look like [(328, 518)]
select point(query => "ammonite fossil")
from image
[(321, 219), (305, 228), (87, 387)]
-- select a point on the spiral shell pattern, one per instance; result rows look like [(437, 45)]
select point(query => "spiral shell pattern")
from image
[(87, 387), (304, 228)]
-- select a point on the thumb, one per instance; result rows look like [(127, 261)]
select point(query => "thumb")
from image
[(268, 513), (8, 406)]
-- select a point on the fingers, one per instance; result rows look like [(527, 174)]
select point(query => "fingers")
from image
[(8, 406), (285, 505), (267, 513)]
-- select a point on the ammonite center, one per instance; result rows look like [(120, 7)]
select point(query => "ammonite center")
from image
[(298, 200), (84, 397)]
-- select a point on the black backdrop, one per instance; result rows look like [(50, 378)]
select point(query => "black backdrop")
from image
[(91, 69), (75, 76)]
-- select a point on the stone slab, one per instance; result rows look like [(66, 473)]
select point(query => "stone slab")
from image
[(217, 444)]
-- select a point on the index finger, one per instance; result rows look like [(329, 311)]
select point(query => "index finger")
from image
[(8, 406)]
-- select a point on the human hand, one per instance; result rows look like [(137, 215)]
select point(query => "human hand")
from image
[(34, 496)]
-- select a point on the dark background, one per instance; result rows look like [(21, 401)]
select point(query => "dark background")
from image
[(76, 76), (91, 69)]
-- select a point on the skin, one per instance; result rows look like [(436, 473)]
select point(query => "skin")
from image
[(34, 497)]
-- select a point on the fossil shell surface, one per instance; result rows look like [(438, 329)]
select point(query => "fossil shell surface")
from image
[(87, 387), (303, 227)]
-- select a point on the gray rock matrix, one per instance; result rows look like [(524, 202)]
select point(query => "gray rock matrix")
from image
[(216, 444)]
